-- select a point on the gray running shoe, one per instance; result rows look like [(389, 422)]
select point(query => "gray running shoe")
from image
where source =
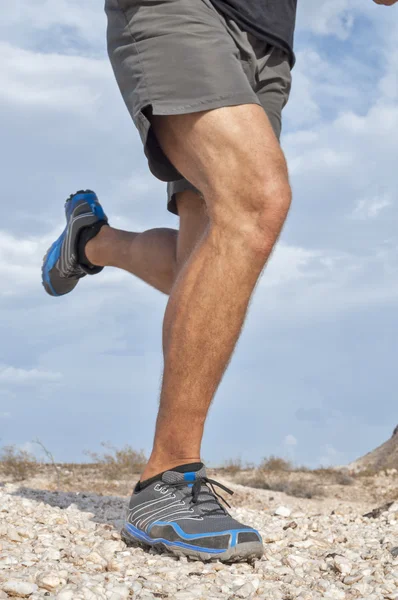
[(62, 269), (181, 513)]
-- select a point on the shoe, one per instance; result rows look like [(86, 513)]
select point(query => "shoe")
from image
[(180, 512), (62, 269)]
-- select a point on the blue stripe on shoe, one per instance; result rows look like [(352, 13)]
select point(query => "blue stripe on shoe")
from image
[(143, 537), (52, 257), (91, 199), (191, 536)]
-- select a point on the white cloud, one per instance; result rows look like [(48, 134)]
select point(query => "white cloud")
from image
[(327, 17), (51, 81), (5, 415), (329, 457), (26, 20), (369, 208), (20, 262), (17, 376), (290, 440), (302, 284), (289, 264)]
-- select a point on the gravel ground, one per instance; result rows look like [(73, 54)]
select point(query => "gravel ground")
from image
[(66, 546)]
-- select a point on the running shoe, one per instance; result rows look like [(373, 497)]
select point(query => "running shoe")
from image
[(180, 512), (62, 265)]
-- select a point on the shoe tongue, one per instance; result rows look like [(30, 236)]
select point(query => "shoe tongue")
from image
[(189, 477)]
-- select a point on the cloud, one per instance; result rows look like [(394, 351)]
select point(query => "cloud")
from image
[(290, 440), (17, 376), (329, 457), (50, 81), (370, 208), (20, 261), (5, 415), (327, 17), (69, 24)]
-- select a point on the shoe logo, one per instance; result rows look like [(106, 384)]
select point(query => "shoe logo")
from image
[(162, 489)]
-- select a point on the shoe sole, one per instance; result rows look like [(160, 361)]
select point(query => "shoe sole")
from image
[(44, 282), (247, 551)]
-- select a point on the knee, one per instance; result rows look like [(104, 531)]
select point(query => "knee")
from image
[(255, 208)]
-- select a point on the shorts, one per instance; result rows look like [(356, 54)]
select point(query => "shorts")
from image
[(183, 56)]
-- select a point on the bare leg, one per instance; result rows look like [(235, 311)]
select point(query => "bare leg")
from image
[(155, 255), (233, 157)]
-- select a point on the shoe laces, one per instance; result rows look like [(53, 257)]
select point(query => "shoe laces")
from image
[(195, 491)]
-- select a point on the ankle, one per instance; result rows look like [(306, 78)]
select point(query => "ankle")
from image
[(158, 465), (95, 249)]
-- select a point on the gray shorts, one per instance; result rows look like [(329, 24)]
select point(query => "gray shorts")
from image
[(183, 56)]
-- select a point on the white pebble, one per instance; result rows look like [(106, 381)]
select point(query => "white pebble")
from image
[(245, 591), (283, 511), (343, 565), (16, 587)]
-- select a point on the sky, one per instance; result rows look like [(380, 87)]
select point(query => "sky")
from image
[(314, 377)]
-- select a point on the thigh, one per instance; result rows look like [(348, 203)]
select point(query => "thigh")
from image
[(221, 149), (172, 57)]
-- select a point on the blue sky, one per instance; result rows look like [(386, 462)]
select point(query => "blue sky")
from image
[(314, 377)]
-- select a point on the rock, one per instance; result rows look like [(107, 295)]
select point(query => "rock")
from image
[(65, 595), (49, 581), (121, 591), (293, 561), (19, 588), (351, 579), (394, 551), (245, 591), (282, 511), (342, 565), (272, 536), (13, 535), (377, 512)]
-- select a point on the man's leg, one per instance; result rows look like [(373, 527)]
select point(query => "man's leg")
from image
[(154, 256), (233, 157)]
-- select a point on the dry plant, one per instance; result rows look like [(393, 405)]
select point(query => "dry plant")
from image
[(51, 459), (274, 463), (233, 466), (17, 463), (118, 463), (335, 476), (299, 489)]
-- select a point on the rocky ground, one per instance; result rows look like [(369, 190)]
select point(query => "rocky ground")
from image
[(65, 545)]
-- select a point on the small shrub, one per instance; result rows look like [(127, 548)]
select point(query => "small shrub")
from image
[(343, 478), (17, 464), (274, 463), (335, 476), (119, 463), (299, 489), (233, 466), (368, 472)]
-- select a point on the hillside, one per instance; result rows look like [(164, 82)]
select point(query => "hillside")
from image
[(383, 457)]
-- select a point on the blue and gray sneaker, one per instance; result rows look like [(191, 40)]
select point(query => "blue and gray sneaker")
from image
[(62, 265), (180, 512)]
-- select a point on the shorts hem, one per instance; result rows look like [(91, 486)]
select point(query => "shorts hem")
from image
[(210, 103)]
